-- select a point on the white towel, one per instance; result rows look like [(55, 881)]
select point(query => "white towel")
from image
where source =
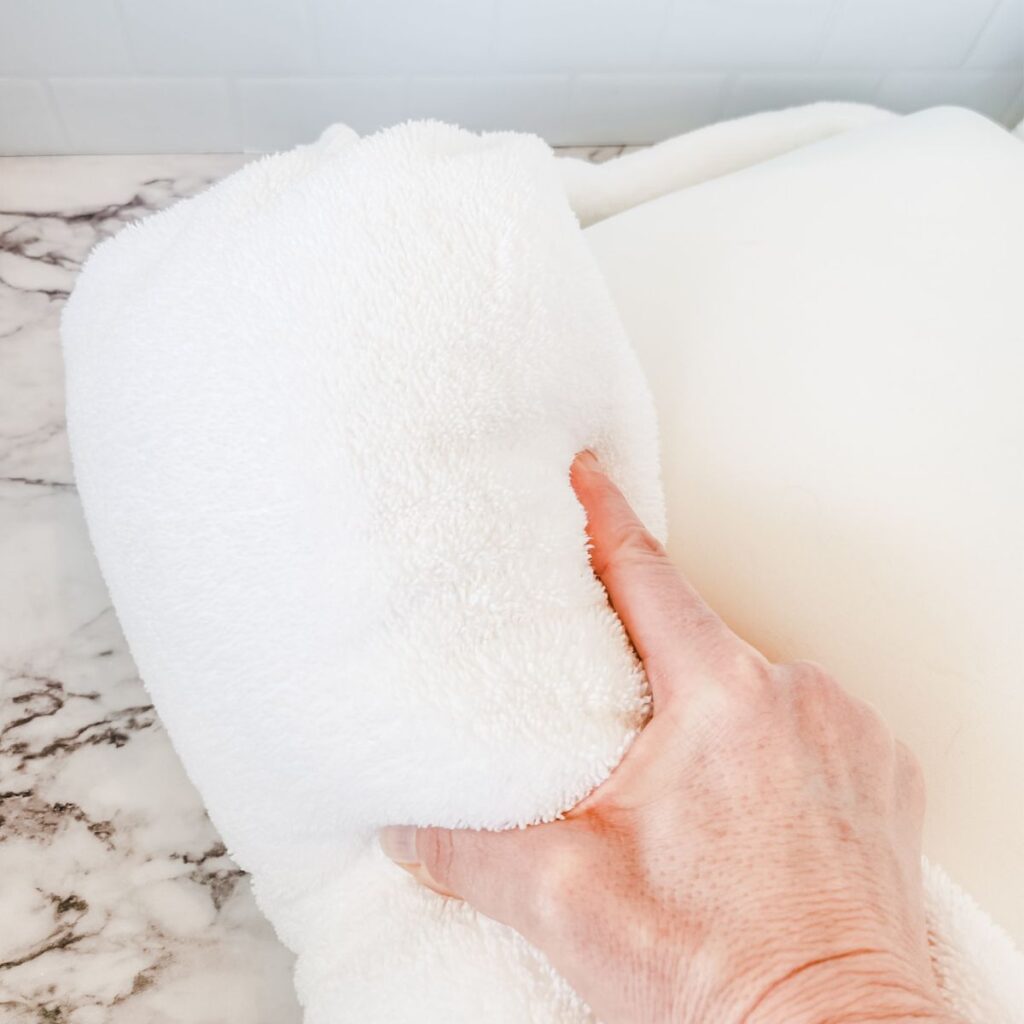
[(322, 417)]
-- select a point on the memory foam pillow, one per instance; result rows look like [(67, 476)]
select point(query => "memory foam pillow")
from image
[(835, 341), (322, 418)]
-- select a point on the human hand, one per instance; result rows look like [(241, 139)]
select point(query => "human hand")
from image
[(754, 858)]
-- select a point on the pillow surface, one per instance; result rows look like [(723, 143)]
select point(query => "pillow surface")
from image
[(835, 342)]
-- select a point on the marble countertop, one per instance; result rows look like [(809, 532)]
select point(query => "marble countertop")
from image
[(118, 902)]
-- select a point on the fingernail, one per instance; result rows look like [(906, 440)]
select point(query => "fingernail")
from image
[(399, 843), (588, 460)]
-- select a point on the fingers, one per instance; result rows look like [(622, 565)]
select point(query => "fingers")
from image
[(492, 871), (681, 641)]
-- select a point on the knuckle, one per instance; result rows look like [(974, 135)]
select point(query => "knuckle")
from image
[(634, 548), (638, 544), (750, 691), (556, 881), (809, 674), (825, 699), (754, 671), (814, 688), (738, 693), (869, 724)]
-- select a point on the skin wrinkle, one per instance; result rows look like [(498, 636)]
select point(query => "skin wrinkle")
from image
[(802, 968)]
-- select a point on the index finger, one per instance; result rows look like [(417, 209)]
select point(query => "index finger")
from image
[(679, 638)]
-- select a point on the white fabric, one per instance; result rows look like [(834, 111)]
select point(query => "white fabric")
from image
[(597, 191), (322, 417)]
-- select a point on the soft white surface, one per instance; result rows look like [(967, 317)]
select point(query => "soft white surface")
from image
[(835, 346), (255, 442), (597, 191)]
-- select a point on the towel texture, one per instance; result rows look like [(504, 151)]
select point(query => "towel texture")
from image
[(322, 417)]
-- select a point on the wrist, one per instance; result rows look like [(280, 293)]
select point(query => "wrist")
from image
[(851, 988)]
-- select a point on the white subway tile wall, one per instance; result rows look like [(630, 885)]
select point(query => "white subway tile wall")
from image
[(643, 107), (527, 103), (210, 37), (94, 76), (27, 122), (281, 112), (172, 115)]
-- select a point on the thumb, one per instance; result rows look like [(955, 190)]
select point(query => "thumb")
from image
[(496, 872)]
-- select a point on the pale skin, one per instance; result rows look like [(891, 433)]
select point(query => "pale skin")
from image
[(754, 859)]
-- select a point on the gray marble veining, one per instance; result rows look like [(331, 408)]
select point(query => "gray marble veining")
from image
[(118, 902)]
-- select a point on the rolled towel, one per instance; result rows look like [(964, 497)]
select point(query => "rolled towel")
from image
[(322, 417)]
